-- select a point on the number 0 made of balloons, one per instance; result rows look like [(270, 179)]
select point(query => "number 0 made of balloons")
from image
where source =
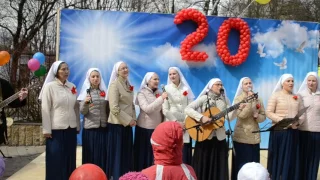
[(222, 41)]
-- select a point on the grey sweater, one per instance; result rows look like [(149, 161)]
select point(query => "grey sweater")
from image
[(95, 114)]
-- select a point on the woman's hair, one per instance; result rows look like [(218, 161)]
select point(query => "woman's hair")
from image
[(57, 74)]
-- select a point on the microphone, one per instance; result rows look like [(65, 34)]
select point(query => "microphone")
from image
[(164, 90), (88, 93), (222, 91)]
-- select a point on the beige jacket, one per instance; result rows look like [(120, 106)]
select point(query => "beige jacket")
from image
[(312, 122), (150, 108), (283, 105), (246, 123), (59, 107), (122, 109)]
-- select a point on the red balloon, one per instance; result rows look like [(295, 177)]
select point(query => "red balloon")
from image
[(88, 172), (195, 37)]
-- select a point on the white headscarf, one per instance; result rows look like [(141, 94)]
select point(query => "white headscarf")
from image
[(209, 86), (183, 82), (146, 79), (51, 75), (86, 84), (304, 84), (239, 89), (114, 74), (144, 83), (282, 79), (253, 171)]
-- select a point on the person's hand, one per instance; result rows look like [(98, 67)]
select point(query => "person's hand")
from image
[(295, 125), (23, 94), (87, 99), (132, 123), (250, 93), (164, 95), (47, 136), (205, 119), (242, 106)]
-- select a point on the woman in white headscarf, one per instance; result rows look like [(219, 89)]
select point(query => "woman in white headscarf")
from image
[(60, 122), (121, 119), (95, 108), (309, 133), (179, 96), (150, 102), (283, 145), (249, 115), (210, 158)]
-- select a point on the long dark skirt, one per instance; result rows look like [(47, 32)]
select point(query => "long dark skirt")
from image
[(143, 153), (283, 160), (187, 153), (244, 153), (210, 160), (119, 150), (61, 154), (309, 147), (94, 147)]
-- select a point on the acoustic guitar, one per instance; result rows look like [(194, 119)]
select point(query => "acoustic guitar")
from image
[(217, 120)]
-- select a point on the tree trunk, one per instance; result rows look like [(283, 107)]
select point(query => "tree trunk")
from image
[(17, 51), (206, 7)]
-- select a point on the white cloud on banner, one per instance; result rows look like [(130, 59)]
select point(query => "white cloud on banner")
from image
[(264, 87), (288, 34), (167, 55)]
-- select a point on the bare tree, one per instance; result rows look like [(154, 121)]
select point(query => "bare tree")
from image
[(300, 10), (23, 19)]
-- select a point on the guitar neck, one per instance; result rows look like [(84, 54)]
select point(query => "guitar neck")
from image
[(229, 109), (15, 96), (9, 100)]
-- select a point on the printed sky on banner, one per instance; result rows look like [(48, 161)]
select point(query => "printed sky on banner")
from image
[(151, 42)]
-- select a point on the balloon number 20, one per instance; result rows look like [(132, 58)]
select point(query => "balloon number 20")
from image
[(223, 34), (195, 37)]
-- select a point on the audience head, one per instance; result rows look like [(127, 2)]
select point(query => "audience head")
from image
[(133, 176), (253, 171), (167, 143)]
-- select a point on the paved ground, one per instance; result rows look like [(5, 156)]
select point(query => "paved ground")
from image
[(35, 168), (15, 164), (21, 156)]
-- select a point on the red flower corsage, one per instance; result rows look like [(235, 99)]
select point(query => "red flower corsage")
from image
[(185, 93), (131, 88), (295, 97), (102, 94), (258, 106), (157, 95), (74, 90)]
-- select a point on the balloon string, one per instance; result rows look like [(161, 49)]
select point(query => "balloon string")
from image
[(245, 9)]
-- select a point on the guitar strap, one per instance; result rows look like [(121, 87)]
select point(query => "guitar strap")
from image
[(208, 108), (208, 105)]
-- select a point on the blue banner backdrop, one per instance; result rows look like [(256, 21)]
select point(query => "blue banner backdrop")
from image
[(151, 42)]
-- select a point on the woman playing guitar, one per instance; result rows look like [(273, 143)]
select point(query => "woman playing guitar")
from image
[(210, 159)]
